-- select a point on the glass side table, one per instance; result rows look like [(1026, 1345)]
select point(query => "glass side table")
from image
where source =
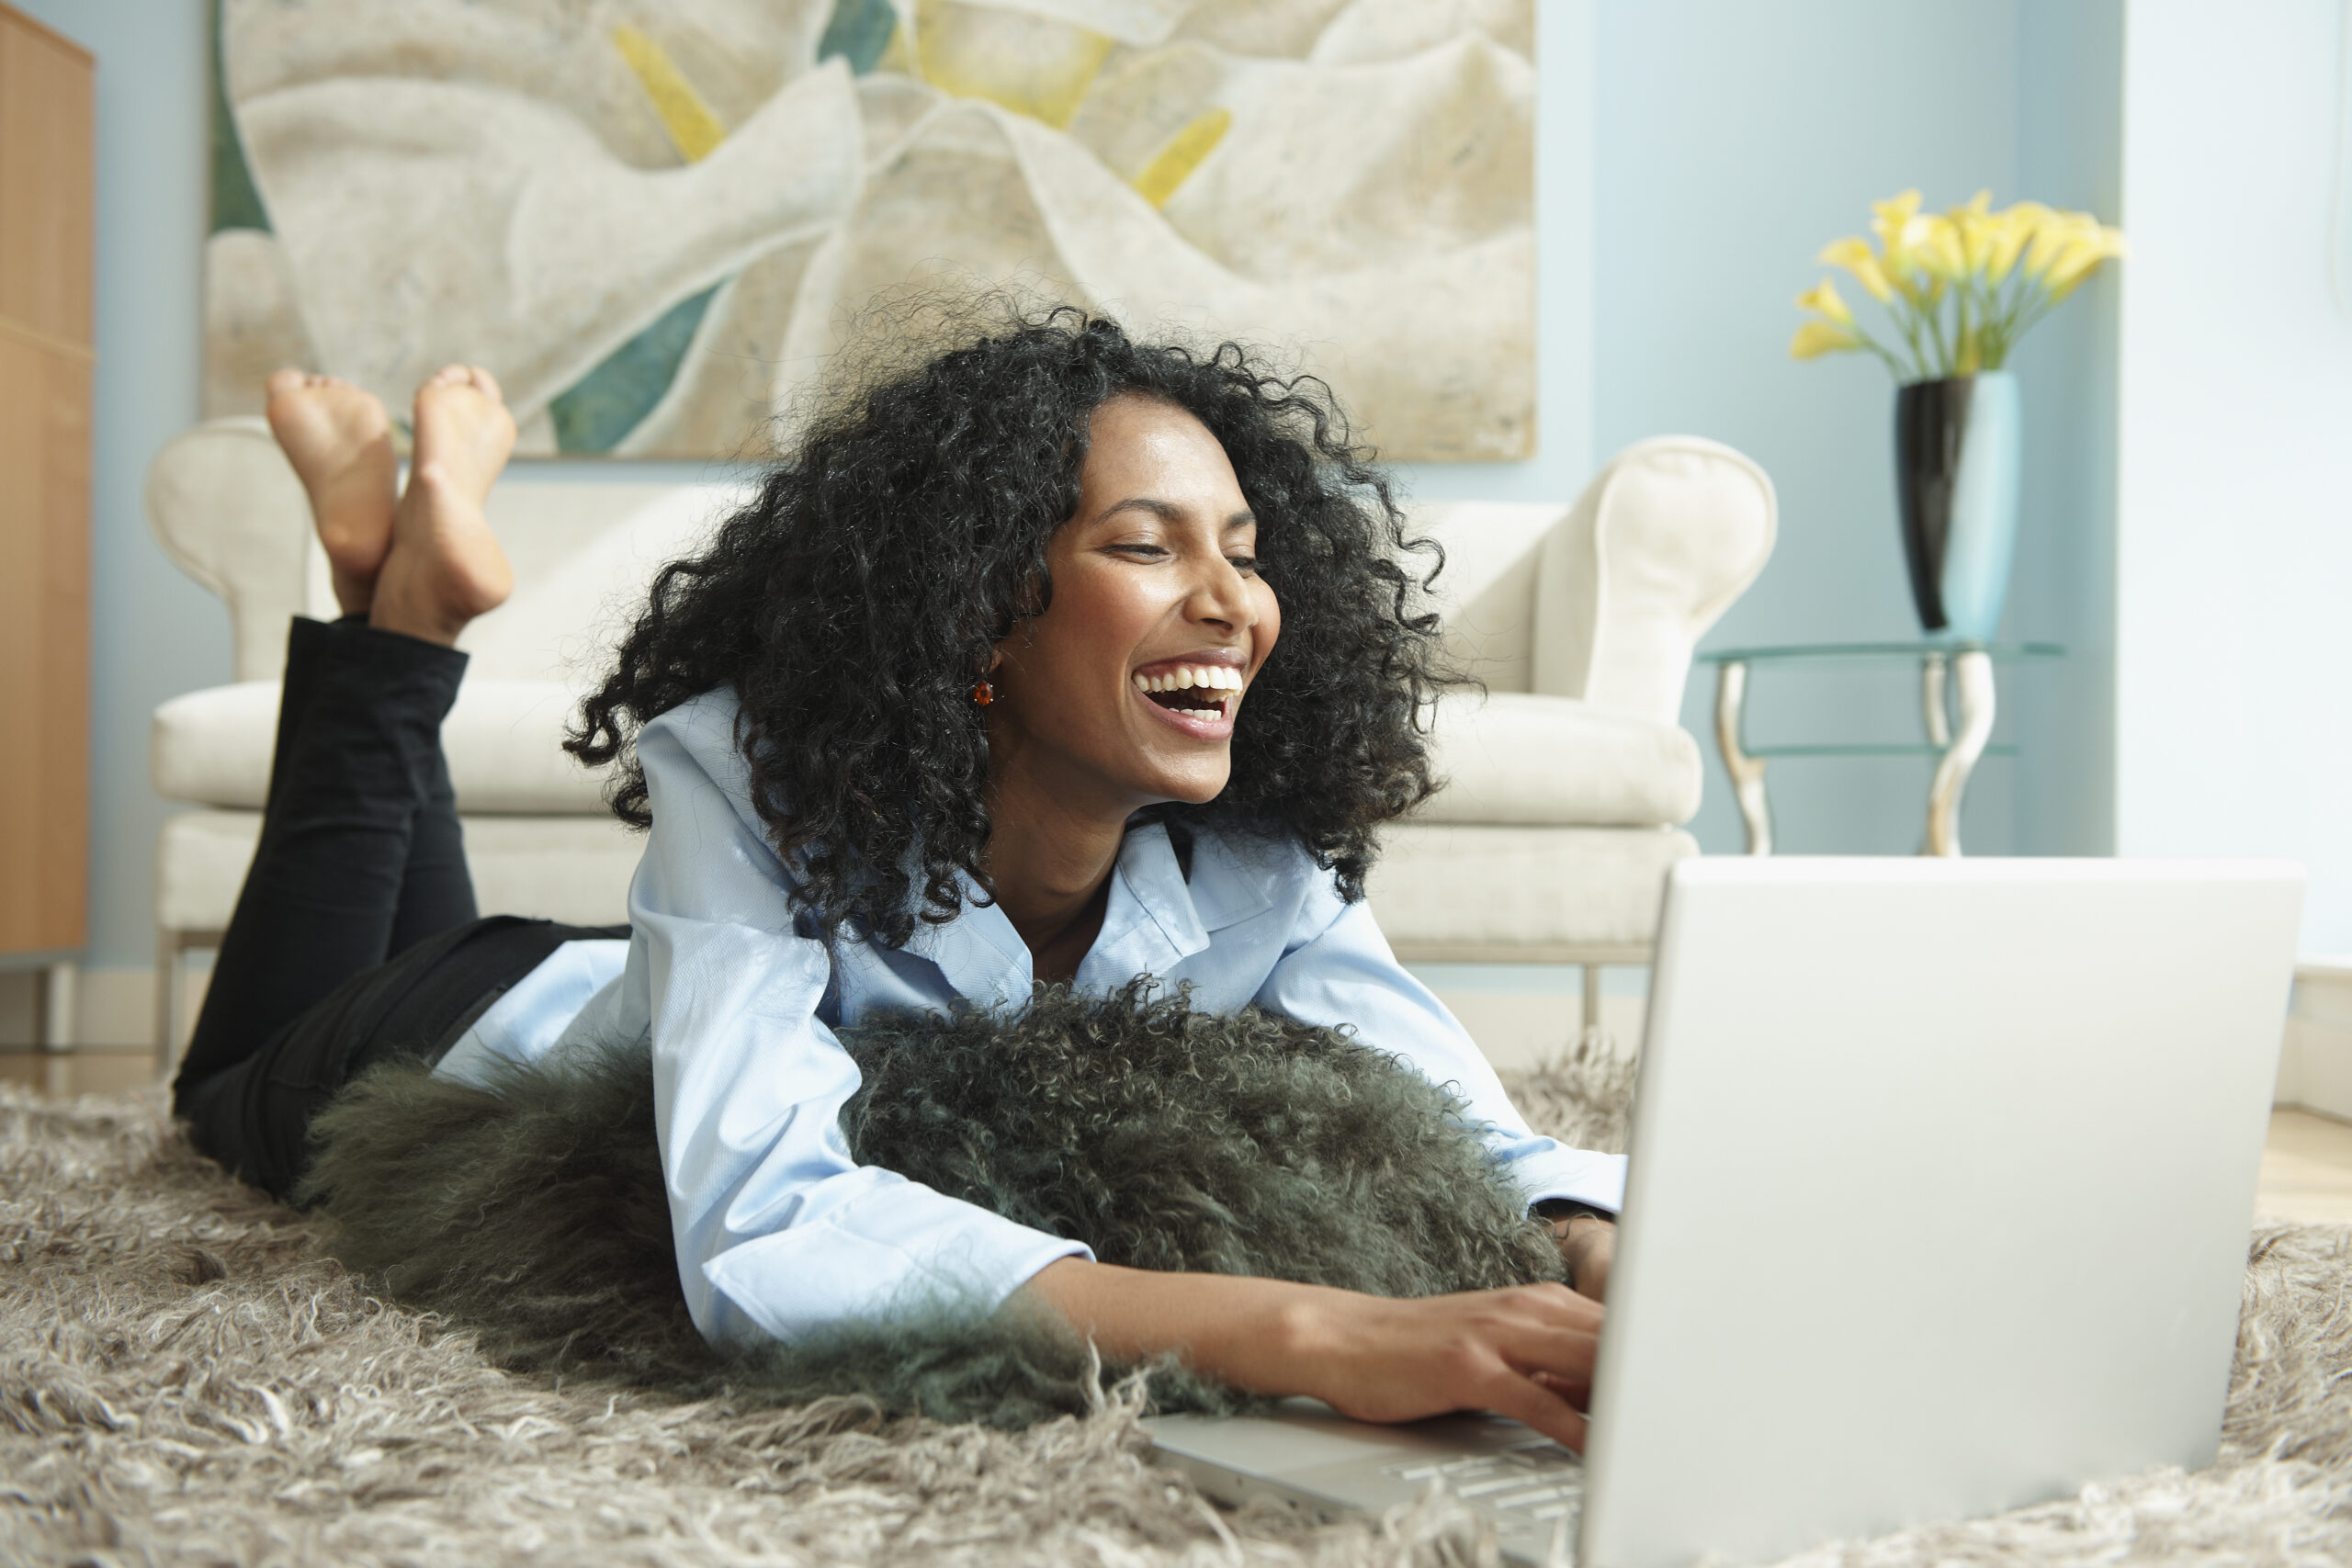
[(1947, 671)]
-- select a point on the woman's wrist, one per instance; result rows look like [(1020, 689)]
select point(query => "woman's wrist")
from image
[(1587, 1244), (1526, 1351), (1559, 1212), (1264, 1335)]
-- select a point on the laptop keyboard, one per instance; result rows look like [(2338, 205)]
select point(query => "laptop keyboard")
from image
[(1539, 1482)]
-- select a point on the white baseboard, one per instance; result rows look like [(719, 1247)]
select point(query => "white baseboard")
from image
[(112, 1007), (2315, 1060)]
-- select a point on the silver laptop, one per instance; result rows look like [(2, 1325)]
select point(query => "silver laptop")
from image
[(1943, 1173)]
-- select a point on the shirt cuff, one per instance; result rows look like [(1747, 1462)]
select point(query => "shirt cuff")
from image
[(904, 1250), (1578, 1175)]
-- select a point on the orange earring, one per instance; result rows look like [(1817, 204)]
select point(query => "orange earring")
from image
[(985, 693)]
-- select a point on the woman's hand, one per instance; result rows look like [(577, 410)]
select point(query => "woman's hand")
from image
[(1526, 1352)]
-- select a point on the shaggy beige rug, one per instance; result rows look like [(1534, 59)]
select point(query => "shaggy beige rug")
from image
[(184, 1379)]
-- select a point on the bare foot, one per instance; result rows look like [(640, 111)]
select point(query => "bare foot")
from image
[(336, 436), (445, 567)]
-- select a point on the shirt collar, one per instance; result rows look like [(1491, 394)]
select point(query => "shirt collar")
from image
[(1230, 882), (978, 952), (1155, 920), (1152, 921), (1149, 924)]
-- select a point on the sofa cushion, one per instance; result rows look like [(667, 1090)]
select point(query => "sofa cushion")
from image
[(1447, 894), (503, 739), (1510, 757), (575, 869)]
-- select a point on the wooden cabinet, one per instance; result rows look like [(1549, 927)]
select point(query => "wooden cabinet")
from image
[(45, 373)]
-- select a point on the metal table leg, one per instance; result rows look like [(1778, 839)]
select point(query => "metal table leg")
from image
[(1973, 677), (1931, 700), (1747, 772), (54, 1024)]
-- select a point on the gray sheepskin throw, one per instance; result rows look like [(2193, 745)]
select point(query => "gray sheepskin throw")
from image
[(1162, 1137)]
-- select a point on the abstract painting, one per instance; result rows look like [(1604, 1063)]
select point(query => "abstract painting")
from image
[(656, 220)]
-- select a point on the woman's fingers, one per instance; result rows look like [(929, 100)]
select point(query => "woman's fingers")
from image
[(1559, 1305), (1524, 1400), (1560, 1339), (1526, 1352), (1578, 1392), (1562, 1367)]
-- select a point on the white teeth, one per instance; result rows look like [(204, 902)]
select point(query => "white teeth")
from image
[(1209, 677)]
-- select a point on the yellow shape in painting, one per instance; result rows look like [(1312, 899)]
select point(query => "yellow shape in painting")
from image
[(1174, 163), (692, 126), (895, 56), (1032, 65)]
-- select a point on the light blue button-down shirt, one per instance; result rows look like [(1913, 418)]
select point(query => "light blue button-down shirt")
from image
[(779, 1232)]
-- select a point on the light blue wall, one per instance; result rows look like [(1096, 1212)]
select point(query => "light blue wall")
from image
[(153, 632), (2070, 154), (1734, 141), (1692, 155), (2233, 732)]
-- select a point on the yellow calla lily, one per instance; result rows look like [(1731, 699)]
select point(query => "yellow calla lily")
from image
[(2081, 258), (1888, 217), (1974, 235), (1823, 296), (2014, 229), (1945, 279), (1974, 225), (2058, 233), (1938, 245), (1817, 338), (1892, 221), (1854, 254)]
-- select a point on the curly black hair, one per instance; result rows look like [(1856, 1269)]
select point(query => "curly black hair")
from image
[(854, 604)]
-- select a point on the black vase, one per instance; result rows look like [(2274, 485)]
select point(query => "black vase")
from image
[(1956, 465)]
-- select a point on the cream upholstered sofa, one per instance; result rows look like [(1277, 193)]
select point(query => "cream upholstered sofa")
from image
[(1568, 778)]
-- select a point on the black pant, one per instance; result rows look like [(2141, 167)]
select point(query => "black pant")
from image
[(355, 937)]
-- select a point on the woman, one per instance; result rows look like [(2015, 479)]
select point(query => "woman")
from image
[(984, 690)]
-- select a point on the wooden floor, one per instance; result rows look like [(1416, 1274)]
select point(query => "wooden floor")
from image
[(88, 1071), (2306, 1166)]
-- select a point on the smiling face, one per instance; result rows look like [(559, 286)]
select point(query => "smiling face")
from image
[(1126, 692)]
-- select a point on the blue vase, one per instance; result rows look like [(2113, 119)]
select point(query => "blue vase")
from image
[(1956, 465)]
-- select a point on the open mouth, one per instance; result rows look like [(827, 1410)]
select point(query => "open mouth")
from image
[(1204, 693)]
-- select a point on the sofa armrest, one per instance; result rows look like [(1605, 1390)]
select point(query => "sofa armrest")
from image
[(228, 510), (1659, 545)]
